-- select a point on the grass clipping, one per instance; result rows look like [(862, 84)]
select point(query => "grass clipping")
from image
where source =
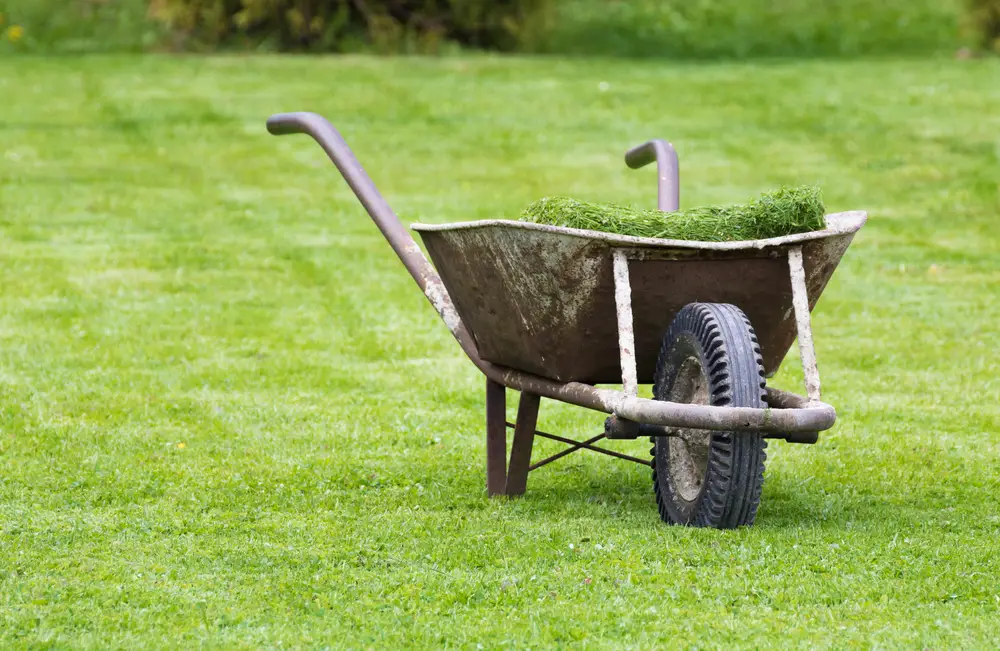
[(772, 214)]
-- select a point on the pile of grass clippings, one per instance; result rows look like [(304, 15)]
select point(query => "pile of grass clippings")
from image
[(772, 214)]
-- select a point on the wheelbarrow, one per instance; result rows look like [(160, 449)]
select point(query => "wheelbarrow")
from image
[(553, 312)]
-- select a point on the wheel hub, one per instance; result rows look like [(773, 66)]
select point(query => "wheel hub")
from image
[(689, 449)]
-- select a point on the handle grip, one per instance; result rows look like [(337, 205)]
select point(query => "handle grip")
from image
[(364, 188), (378, 209), (667, 171)]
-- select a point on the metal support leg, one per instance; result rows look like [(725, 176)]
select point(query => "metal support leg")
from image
[(524, 436), (800, 302), (626, 335), (496, 438)]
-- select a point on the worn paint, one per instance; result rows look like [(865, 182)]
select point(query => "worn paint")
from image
[(800, 301), (438, 296), (541, 299), (623, 309)]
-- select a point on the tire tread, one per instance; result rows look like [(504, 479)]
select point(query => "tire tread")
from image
[(731, 352)]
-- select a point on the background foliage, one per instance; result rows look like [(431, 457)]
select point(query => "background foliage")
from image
[(71, 26), (295, 25), (748, 28), (637, 28), (338, 25), (983, 22)]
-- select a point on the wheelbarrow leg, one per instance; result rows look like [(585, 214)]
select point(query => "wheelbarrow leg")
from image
[(524, 436), (496, 438)]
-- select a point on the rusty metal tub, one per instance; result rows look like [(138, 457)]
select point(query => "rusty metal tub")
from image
[(541, 299)]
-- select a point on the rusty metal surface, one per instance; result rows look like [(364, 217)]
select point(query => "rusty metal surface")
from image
[(573, 447), (779, 399), (617, 428), (541, 299), (496, 438), (520, 449)]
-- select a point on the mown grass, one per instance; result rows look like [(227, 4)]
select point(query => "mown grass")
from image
[(772, 214), (227, 418)]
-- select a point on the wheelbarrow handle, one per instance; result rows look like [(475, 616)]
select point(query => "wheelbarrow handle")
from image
[(364, 188), (395, 233), (667, 170)]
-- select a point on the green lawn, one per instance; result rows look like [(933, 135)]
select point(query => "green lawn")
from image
[(228, 419)]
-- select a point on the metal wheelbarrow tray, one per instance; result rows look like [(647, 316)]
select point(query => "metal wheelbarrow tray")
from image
[(552, 312)]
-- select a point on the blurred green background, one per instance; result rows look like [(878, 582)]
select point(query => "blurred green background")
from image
[(638, 28)]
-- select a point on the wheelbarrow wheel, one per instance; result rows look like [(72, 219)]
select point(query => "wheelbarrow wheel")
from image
[(710, 355)]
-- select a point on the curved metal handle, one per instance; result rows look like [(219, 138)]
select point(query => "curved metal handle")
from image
[(667, 171), (395, 233), (364, 188)]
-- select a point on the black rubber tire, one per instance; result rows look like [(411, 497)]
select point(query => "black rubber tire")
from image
[(720, 338)]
